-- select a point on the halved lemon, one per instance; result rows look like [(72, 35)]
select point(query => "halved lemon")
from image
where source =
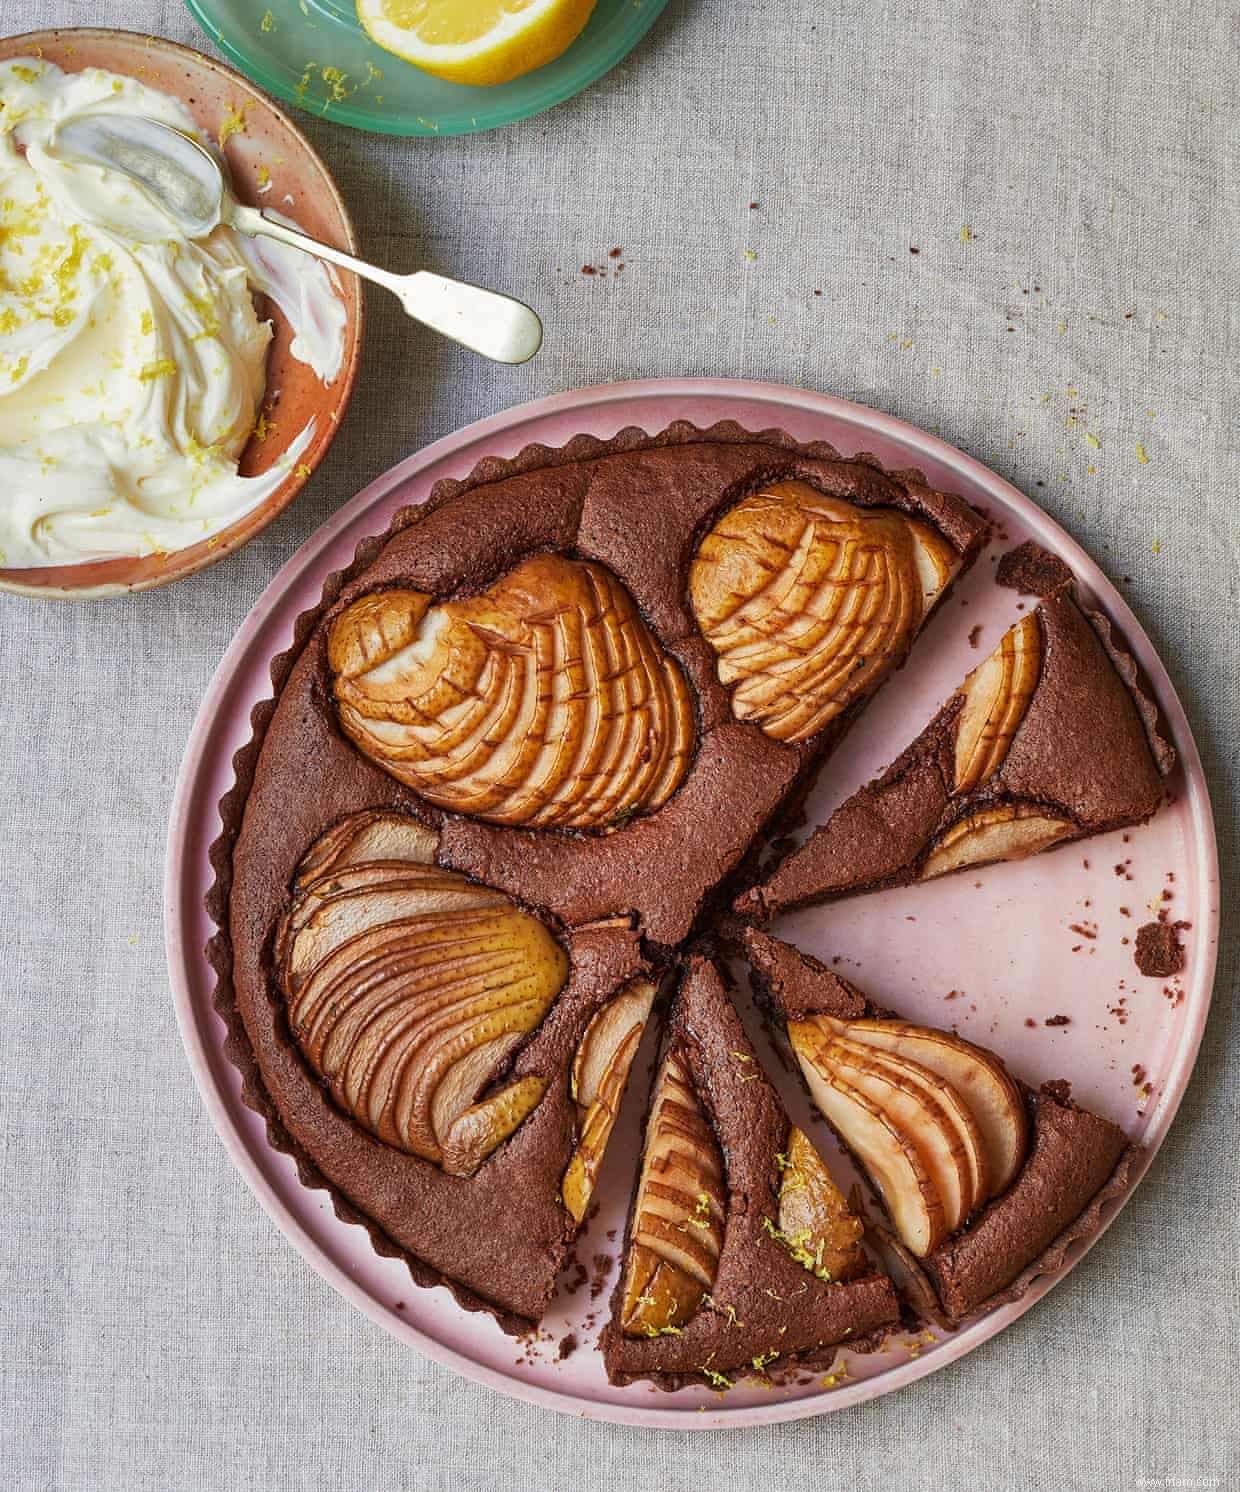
[(479, 42)]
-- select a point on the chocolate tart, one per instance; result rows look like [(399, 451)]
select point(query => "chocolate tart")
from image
[(1049, 740), (742, 1256), (986, 1182), (556, 706)]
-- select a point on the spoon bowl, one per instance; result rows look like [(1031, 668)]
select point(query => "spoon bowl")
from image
[(186, 182)]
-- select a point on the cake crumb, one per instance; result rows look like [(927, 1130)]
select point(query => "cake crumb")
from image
[(568, 1345), (975, 635), (1159, 952)]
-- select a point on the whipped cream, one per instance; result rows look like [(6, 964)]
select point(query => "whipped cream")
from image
[(132, 360)]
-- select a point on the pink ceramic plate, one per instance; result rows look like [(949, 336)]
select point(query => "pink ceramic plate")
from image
[(996, 953)]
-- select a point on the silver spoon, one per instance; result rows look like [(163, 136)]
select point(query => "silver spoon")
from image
[(189, 183)]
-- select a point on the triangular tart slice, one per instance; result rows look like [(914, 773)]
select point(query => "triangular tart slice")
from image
[(1048, 740), (984, 1181), (742, 1256), (445, 1061)]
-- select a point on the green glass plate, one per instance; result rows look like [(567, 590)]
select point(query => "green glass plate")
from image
[(314, 54)]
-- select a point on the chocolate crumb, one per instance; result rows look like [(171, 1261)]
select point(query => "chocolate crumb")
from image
[(1032, 570), (1159, 952), (588, 269), (568, 1345), (913, 249), (615, 253), (1031, 1023), (1058, 1089), (1058, 1020), (975, 635)]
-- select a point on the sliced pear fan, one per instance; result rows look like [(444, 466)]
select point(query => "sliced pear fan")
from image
[(976, 1076), (679, 1211), (936, 1123), (545, 701), (807, 601), (410, 987)]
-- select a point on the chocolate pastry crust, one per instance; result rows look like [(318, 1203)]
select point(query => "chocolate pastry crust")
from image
[(635, 504), (1076, 1162), (765, 1312), (1084, 757)]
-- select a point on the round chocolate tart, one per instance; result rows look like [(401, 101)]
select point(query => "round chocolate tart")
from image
[(509, 801)]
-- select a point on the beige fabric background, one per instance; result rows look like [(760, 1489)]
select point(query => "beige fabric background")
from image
[(155, 1330)]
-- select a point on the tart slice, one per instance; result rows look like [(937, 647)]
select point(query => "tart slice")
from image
[(1048, 740), (742, 1256), (468, 1062), (984, 1181)]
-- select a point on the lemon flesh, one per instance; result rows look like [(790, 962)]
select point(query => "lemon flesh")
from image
[(477, 42)]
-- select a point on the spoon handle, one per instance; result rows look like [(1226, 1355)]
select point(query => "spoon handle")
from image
[(495, 325)]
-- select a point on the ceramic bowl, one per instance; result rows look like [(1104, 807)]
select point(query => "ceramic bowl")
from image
[(300, 186)]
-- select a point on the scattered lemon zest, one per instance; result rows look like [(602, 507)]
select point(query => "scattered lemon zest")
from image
[(233, 122), (1141, 456)]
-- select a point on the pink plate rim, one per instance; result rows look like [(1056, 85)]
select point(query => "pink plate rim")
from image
[(194, 824)]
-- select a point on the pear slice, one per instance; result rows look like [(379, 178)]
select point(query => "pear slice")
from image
[(817, 1225), (375, 835), (679, 1208), (1007, 831), (485, 1126), (608, 1030), (889, 1156), (936, 562), (659, 1296), (924, 1110), (978, 1076), (996, 695), (600, 1073)]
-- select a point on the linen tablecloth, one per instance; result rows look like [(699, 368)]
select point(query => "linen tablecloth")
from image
[(1067, 173)]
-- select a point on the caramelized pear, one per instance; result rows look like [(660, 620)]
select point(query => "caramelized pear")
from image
[(808, 601), (1006, 831), (678, 1214), (931, 1112), (409, 988), (978, 1077), (546, 701), (817, 1225), (600, 1073), (996, 695), (936, 1122), (889, 1154)]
